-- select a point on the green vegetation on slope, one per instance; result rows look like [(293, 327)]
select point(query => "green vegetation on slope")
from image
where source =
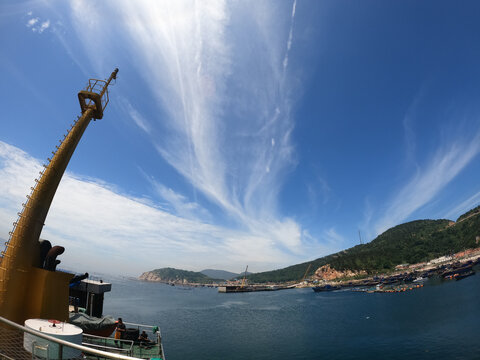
[(469, 213), (412, 242), (220, 274), (176, 275)]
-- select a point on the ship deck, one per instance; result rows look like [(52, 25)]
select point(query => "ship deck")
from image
[(125, 347)]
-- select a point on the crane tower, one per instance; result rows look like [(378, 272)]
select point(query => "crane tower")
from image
[(29, 288)]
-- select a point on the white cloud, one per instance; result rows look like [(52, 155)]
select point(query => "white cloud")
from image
[(45, 25), (290, 37), (319, 191), (218, 72), (408, 126), (365, 224), (464, 206), (37, 26), (447, 163), (330, 242), (102, 228), (228, 125), (333, 236), (179, 203), (32, 22), (325, 189), (137, 118)]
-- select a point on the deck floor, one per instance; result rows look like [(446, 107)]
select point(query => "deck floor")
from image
[(150, 351)]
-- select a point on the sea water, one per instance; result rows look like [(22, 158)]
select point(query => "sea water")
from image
[(439, 321)]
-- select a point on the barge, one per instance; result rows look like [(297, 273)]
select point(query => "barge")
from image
[(252, 288)]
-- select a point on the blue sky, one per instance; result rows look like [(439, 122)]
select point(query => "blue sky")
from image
[(240, 132)]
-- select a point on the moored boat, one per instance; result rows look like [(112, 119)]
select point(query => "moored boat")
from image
[(326, 287), (456, 270), (464, 275)]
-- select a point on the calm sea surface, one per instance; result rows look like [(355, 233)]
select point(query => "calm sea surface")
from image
[(439, 321)]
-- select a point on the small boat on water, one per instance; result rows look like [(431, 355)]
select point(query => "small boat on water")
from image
[(252, 288), (464, 275), (455, 270), (326, 287)]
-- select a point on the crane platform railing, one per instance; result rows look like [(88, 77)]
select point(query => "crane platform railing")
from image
[(12, 345)]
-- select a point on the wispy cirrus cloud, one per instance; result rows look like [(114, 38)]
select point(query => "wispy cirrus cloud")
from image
[(333, 236), (219, 72), (449, 160), (409, 124), (138, 119), (318, 190), (464, 206), (290, 36), (179, 203)]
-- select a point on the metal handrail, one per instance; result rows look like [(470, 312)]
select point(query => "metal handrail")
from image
[(159, 334), (151, 327), (139, 325), (82, 348), (129, 343)]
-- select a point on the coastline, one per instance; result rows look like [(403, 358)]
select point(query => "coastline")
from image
[(444, 265), (405, 273)]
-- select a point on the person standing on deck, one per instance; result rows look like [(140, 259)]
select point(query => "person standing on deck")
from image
[(119, 331)]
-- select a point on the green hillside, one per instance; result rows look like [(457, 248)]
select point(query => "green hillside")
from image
[(412, 242), (175, 275), (220, 274), (469, 213)]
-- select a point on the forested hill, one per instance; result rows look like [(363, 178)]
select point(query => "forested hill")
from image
[(220, 274), (412, 242), (171, 275), (472, 212)]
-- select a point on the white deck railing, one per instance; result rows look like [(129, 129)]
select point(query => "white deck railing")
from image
[(12, 345)]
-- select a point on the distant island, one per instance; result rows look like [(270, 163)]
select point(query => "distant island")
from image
[(415, 242), (177, 276)]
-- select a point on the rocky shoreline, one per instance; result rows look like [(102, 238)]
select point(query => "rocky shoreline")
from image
[(152, 277), (333, 279), (444, 266)]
